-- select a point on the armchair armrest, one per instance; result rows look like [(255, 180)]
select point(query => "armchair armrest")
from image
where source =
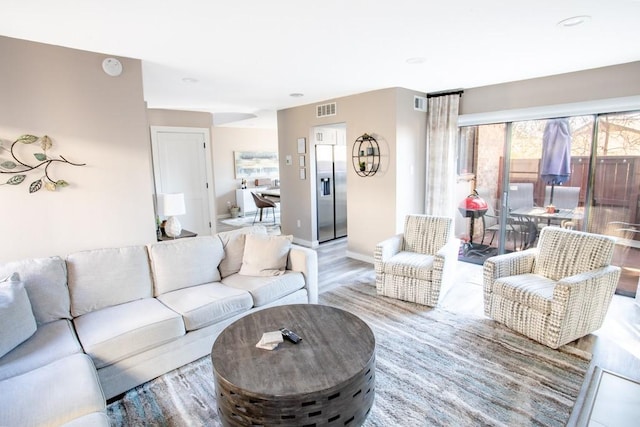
[(505, 265), (444, 264), (305, 260), (386, 249), (580, 302)]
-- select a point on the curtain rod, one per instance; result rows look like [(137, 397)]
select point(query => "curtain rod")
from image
[(444, 93)]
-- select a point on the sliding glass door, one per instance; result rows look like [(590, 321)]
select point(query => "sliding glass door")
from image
[(579, 172), (615, 201)]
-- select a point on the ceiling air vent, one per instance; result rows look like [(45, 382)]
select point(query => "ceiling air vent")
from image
[(419, 103), (325, 110)]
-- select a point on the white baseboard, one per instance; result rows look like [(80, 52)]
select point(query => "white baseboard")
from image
[(360, 257)]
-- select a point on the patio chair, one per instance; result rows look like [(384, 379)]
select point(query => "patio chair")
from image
[(417, 265), (554, 293), (520, 197), (563, 197)]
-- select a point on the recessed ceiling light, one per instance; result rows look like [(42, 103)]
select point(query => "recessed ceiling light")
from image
[(296, 94), (416, 60), (189, 80), (574, 20)]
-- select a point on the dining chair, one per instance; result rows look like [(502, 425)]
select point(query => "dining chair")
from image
[(263, 203)]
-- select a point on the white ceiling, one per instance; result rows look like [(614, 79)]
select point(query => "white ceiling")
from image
[(248, 56)]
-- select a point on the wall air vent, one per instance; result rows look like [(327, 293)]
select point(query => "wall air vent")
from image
[(419, 103), (325, 110)]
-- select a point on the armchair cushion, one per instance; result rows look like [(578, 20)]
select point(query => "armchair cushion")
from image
[(425, 234), (564, 253), (529, 289), (410, 264)]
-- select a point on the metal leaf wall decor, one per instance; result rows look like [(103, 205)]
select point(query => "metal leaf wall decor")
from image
[(19, 169)]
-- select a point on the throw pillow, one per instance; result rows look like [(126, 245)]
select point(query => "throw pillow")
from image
[(16, 316), (233, 243), (265, 255)]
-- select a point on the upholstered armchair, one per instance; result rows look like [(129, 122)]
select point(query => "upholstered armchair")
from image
[(554, 293), (416, 265)]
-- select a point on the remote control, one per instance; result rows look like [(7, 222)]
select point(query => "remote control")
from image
[(290, 335)]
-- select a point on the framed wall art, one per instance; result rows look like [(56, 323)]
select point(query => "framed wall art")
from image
[(256, 164)]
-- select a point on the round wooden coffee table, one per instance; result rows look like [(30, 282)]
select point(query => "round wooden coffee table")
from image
[(326, 379)]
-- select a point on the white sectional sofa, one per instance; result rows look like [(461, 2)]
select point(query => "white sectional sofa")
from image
[(100, 322)]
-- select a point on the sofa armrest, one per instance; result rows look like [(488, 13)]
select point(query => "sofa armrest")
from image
[(305, 260), (511, 264), (386, 249), (580, 302)]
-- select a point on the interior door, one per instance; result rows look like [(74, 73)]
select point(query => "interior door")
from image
[(181, 165)]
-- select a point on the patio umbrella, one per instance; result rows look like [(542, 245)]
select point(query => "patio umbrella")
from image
[(556, 153)]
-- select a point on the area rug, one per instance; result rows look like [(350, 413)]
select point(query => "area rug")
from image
[(433, 368), (247, 221)]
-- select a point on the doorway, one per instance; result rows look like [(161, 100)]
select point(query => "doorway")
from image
[(181, 164), (331, 181)]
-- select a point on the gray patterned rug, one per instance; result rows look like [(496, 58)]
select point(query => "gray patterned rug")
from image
[(433, 368)]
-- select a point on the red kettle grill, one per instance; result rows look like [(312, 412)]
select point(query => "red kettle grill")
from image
[(473, 206)]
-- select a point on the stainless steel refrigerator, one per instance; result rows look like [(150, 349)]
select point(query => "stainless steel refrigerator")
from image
[(331, 181)]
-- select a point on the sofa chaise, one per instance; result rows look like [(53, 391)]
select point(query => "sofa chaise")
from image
[(97, 323)]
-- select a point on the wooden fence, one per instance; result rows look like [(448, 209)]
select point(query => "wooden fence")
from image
[(616, 187)]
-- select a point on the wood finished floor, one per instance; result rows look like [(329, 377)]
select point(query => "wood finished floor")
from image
[(615, 346)]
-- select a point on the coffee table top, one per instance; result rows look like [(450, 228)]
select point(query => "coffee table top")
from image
[(336, 345)]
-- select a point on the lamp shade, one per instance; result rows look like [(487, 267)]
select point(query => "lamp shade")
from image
[(171, 204)]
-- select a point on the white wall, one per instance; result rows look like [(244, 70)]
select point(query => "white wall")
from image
[(92, 118), (225, 141)]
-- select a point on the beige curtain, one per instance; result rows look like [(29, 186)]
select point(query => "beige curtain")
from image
[(442, 137)]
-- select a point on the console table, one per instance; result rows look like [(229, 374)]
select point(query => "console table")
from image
[(326, 378), (244, 200), (183, 234)]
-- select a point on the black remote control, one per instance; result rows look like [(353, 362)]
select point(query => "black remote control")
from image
[(290, 335)]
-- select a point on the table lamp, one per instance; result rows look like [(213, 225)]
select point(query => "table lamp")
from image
[(170, 205)]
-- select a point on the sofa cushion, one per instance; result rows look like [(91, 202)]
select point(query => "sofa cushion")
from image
[(97, 419), (264, 290), (106, 277), (265, 255), (181, 263), (115, 333), (16, 316), (52, 395), (52, 341), (204, 305), (45, 280), (233, 244)]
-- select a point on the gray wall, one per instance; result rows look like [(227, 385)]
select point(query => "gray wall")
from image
[(582, 86), (376, 205)]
